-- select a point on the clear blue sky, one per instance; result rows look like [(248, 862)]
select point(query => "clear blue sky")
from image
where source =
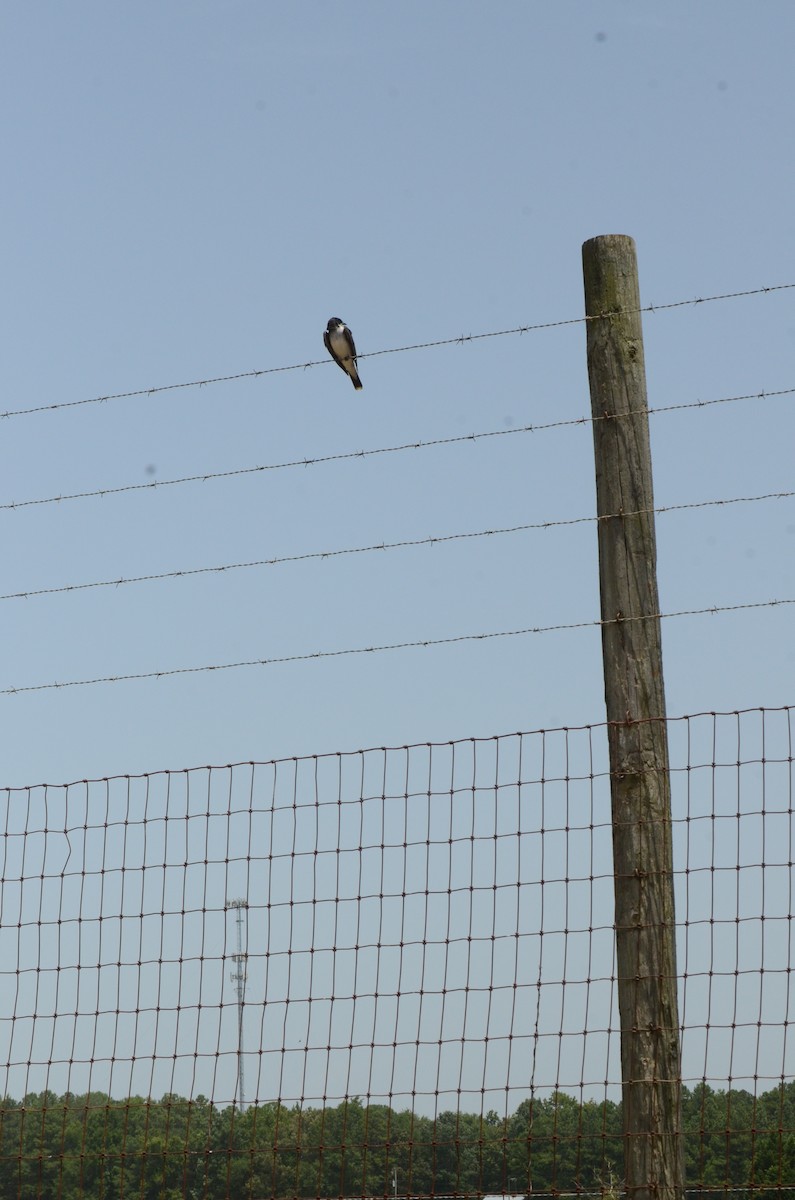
[(192, 189)]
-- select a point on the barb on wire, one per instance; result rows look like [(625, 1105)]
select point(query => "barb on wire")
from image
[(348, 652), (381, 547), (401, 447), (454, 341)]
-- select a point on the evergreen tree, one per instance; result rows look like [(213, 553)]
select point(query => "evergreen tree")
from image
[(66, 1147)]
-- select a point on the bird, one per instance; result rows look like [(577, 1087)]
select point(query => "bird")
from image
[(339, 343)]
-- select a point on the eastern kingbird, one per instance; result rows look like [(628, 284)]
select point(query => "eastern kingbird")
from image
[(339, 343)]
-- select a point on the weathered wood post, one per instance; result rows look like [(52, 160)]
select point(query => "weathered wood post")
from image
[(637, 735)]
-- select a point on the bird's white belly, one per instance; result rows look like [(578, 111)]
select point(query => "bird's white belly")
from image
[(339, 344)]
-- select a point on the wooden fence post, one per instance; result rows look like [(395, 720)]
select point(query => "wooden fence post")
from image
[(637, 735)]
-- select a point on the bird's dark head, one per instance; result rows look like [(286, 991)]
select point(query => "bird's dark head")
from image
[(335, 323)]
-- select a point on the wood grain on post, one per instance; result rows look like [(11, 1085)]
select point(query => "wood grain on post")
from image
[(637, 735)]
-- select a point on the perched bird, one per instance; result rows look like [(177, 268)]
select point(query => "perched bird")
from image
[(339, 343)]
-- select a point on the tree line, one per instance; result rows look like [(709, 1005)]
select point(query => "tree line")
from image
[(60, 1147)]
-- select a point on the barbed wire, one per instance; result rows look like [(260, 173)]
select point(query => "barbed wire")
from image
[(490, 635), (347, 455), (452, 341), (405, 543)]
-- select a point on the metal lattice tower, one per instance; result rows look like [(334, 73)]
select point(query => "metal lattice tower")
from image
[(238, 977)]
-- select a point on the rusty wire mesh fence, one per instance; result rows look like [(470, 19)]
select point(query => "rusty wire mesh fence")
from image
[(388, 972)]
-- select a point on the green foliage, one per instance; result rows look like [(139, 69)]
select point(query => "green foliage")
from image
[(59, 1147)]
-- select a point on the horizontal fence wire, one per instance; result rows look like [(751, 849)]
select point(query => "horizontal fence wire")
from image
[(388, 972), (460, 439), (460, 340), (384, 546), (387, 647)]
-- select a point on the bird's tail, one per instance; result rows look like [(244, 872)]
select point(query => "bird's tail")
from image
[(357, 383)]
